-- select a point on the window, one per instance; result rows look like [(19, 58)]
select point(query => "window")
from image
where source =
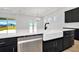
[(7, 25)]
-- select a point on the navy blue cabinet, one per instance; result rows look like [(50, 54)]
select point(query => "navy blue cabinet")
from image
[(52, 45), (72, 15), (59, 44), (77, 34), (68, 39), (8, 45), (10, 48)]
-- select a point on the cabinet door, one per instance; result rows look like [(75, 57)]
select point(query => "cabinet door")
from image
[(53, 45), (75, 15), (8, 49), (59, 46), (66, 42), (8, 41), (77, 34), (49, 46), (68, 39), (72, 15), (67, 16), (8, 45), (71, 41)]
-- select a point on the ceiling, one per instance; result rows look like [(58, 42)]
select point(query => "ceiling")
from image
[(30, 11)]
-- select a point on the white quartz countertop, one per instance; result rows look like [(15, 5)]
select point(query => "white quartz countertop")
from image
[(72, 27), (27, 33), (20, 33), (68, 29), (50, 35)]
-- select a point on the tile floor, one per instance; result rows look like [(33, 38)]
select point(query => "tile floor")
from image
[(74, 48)]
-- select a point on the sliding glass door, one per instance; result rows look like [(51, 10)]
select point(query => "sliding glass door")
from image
[(3, 25), (7, 25), (11, 25)]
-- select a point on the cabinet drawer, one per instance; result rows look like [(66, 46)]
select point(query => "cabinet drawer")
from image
[(69, 35), (7, 41), (68, 32)]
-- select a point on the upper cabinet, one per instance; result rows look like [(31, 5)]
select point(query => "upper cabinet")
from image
[(72, 15)]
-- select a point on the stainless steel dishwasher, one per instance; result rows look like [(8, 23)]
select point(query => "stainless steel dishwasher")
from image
[(30, 44)]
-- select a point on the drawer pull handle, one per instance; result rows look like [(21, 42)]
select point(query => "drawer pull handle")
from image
[(2, 43)]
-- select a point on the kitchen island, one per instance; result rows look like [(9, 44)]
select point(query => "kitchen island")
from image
[(13, 42), (61, 43), (25, 41)]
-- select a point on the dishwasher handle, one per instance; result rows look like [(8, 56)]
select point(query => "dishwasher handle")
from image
[(25, 41)]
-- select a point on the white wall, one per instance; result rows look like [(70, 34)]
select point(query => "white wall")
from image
[(57, 20), (59, 17), (22, 21), (55, 26)]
